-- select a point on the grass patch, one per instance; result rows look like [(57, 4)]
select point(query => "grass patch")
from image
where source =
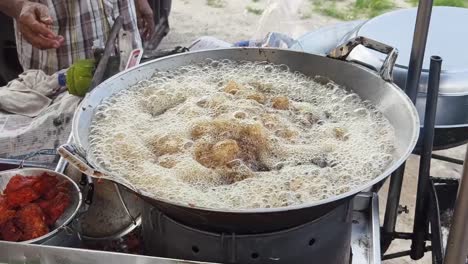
[(373, 7), (216, 3), (254, 10), (456, 3), (354, 10), (330, 8), (306, 15)]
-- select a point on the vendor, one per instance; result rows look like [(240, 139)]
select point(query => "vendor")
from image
[(52, 34)]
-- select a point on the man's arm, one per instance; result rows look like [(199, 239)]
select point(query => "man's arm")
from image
[(145, 18), (33, 22)]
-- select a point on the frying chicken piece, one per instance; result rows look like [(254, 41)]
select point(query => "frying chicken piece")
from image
[(31, 220), (259, 97), (280, 102), (17, 182), (45, 183), (10, 232), (22, 196), (5, 213), (224, 151), (232, 87), (55, 207)]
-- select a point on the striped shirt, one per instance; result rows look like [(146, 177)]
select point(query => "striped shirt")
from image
[(80, 22)]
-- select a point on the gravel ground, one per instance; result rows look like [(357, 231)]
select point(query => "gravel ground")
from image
[(191, 19)]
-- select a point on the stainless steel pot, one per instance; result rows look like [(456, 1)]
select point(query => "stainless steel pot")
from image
[(64, 233), (370, 85)]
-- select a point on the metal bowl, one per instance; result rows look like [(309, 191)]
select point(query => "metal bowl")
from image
[(61, 225)]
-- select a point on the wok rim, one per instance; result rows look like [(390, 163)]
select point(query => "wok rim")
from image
[(23, 172), (408, 151)]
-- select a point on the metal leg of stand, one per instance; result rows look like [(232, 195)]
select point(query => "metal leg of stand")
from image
[(434, 218), (421, 217), (418, 49), (391, 209), (457, 244)]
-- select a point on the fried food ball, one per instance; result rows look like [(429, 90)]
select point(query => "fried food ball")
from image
[(238, 171), (200, 129), (232, 87), (253, 133), (280, 102), (258, 97), (216, 155), (202, 153), (227, 140), (240, 115), (340, 133), (168, 144), (225, 151), (167, 162), (216, 128)]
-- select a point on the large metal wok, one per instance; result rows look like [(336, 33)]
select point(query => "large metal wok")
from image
[(370, 85)]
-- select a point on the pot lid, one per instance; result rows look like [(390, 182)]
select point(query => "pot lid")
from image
[(448, 35)]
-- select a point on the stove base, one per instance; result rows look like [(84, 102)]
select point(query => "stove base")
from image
[(325, 240)]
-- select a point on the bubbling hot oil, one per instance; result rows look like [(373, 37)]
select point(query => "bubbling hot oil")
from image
[(237, 135)]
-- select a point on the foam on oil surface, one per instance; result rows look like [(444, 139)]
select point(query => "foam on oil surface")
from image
[(240, 135)]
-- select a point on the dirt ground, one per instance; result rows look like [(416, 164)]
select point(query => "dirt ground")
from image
[(233, 22)]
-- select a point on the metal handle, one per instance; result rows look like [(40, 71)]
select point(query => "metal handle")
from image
[(386, 71), (76, 158), (50, 152)]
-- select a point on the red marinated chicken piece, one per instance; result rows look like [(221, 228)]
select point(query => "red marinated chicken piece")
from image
[(22, 196), (44, 184), (10, 232), (5, 212), (60, 187), (50, 194), (17, 182), (31, 220), (43, 204), (55, 207)]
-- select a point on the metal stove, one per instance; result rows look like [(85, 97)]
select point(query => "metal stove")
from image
[(326, 240)]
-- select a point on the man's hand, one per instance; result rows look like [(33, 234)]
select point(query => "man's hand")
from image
[(33, 22), (144, 18)]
